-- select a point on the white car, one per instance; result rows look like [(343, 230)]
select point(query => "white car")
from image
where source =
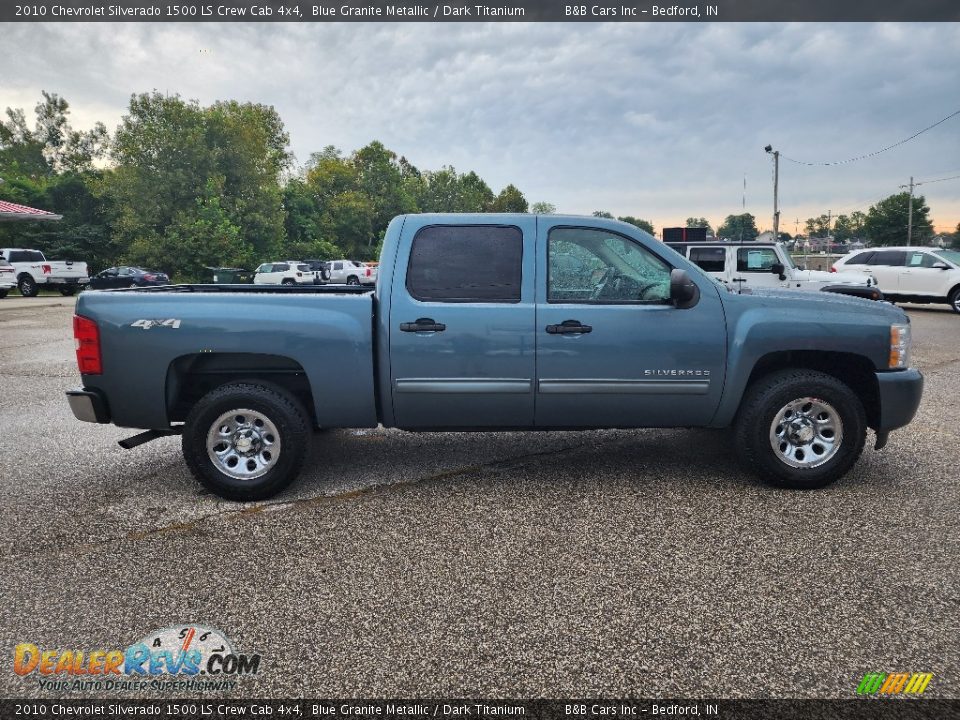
[(348, 272), (910, 274), (8, 278), (750, 265), (286, 272), (32, 270)]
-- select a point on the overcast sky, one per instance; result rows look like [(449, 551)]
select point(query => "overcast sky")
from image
[(659, 121)]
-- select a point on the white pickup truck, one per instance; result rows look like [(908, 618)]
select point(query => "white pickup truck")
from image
[(749, 265), (32, 270)]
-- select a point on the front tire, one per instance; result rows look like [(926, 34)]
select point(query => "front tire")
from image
[(954, 299), (3, 294), (245, 441), (28, 286), (799, 429)]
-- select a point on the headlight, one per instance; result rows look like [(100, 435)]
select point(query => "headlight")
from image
[(899, 346)]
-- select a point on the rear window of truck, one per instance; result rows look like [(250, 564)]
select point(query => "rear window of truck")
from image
[(466, 263)]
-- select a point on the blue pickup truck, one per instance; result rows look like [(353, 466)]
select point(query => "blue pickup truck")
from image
[(482, 322)]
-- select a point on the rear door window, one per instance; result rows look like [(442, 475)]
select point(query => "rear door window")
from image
[(892, 258), (711, 259), (860, 258), (280, 267), (466, 263)]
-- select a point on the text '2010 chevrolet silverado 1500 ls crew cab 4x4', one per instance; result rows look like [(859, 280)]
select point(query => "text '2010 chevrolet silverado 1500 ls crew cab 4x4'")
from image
[(483, 322)]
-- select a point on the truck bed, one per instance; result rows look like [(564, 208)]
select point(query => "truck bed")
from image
[(153, 337)]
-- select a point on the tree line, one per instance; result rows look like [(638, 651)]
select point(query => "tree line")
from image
[(179, 186)]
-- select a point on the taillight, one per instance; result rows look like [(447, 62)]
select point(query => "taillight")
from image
[(86, 338), (149, 278), (832, 269), (368, 272)]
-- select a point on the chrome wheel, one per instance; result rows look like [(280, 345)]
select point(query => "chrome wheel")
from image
[(243, 444), (806, 432)]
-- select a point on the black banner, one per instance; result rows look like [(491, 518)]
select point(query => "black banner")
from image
[(862, 709), (471, 11)]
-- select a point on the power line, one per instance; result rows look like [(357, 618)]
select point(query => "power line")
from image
[(876, 152)]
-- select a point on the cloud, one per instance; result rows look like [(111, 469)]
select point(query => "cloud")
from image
[(656, 120)]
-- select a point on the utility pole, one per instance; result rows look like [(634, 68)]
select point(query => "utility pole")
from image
[(910, 214), (776, 188)]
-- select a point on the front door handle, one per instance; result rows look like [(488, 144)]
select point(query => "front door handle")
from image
[(422, 325), (569, 327)]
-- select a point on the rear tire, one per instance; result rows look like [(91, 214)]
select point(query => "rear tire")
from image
[(353, 280), (3, 294), (954, 299), (246, 442), (28, 286), (68, 291), (799, 429), (288, 281)]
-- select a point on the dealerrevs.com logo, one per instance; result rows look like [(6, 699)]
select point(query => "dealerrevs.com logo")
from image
[(894, 683), (188, 657)]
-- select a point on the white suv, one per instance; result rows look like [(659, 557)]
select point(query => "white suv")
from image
[(910, 274), (288, 272)]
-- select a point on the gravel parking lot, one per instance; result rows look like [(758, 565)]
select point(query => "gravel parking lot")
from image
[(498, 564)]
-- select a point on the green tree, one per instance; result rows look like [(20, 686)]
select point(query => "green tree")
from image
[(168, 153), (886, 222), (818, 227), (602, 214), (739, 227), (510, 199), (380, 178), (848, 227), (543, 208), (696, 222), (52, 167), (638, 222)]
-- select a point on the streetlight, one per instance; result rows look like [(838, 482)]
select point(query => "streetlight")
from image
[(776, 182)]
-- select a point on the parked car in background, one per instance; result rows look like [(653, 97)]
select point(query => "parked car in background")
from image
[(33, 271), (287, 272), (8, 278), (910, 274), (125, 276), (346, 272), (745, 266), (370, 272)]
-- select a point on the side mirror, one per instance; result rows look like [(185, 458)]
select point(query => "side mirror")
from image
[(684, 292), (940, 266)]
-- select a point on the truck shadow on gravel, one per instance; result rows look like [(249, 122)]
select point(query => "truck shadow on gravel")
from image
[(347, 461)]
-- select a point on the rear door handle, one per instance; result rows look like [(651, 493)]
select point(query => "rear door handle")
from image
[(422, 325), (569, 327)]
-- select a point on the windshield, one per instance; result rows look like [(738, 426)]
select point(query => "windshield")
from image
[(950, 255), (788, 259)]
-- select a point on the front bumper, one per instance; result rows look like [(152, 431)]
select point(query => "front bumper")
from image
[(88, 405), (900, 393)]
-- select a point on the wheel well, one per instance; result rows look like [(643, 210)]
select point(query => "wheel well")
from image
[(855, 371), (954, 289), (23, 275), (190, 377)]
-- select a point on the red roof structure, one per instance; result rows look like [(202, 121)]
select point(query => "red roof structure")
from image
[(12, 211)]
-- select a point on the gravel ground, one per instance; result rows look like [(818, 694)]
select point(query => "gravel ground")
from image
[(614, 563)]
